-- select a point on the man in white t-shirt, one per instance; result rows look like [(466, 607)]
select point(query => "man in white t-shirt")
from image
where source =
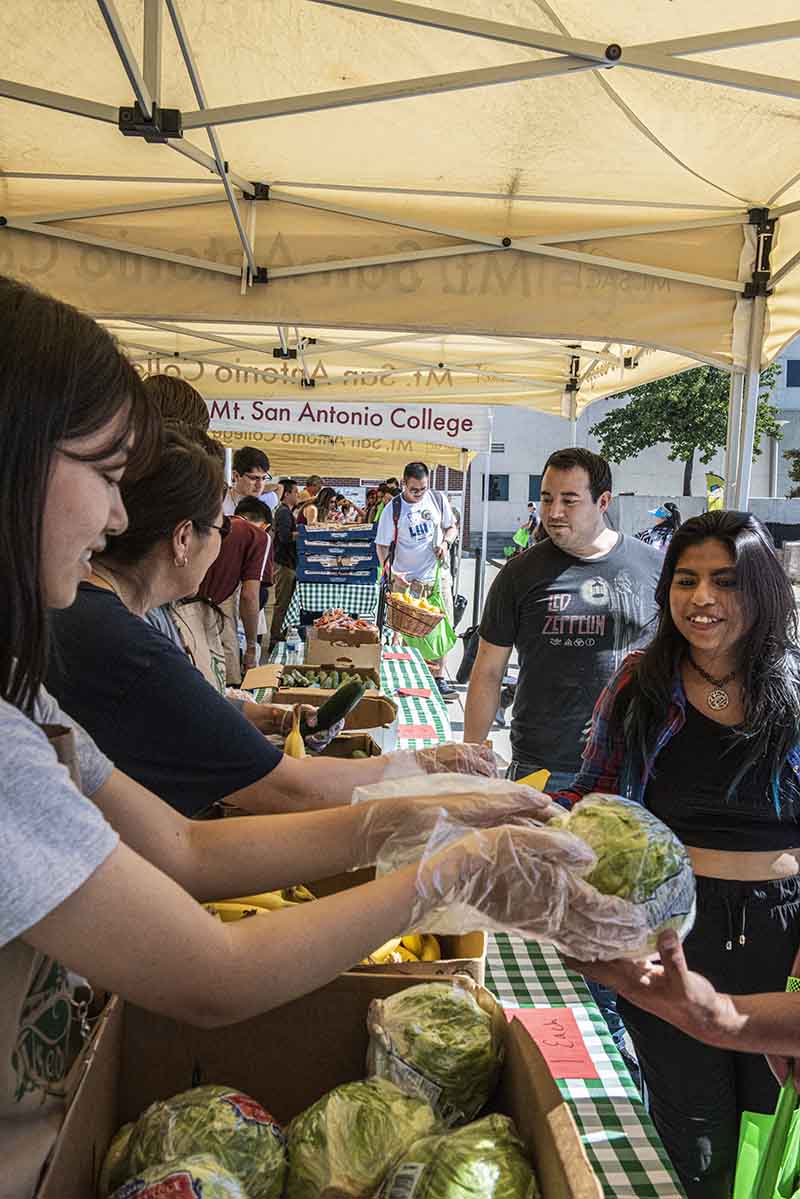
[(415, 530)]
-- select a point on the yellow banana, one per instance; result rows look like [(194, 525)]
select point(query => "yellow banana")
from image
[(298, 894), (382, 954), (431, 949), (270, 901), (294, 745), (233, 911), (413, 941), (402, 954)]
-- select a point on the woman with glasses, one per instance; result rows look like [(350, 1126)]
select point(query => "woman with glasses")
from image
[(137, 693)]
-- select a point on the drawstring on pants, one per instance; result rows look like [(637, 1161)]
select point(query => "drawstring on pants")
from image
[(729, 912)]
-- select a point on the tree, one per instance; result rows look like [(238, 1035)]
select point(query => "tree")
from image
[(689, 411), (793, 456)]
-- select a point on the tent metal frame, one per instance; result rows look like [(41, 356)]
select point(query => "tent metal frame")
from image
[(565, 55)]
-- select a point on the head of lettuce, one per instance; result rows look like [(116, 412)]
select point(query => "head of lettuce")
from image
[(638, 859)]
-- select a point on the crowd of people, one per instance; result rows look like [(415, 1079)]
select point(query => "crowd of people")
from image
[(669, 675)]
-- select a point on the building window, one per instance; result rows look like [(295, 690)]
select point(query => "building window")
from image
[(793, 372), (535, 488), (498, 487)]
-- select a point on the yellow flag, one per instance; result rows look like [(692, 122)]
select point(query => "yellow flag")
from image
[(715, 491)]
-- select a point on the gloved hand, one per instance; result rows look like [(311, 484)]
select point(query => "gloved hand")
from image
[(408, 820), (523, 880), (451, 758), (277, 719)]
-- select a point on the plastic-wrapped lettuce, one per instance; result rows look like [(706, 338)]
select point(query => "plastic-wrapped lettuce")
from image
[(195, 1177), (342, 1146), (483, 1159), (435, 1040), (638, 858), (240, 1134), (115, 1170)]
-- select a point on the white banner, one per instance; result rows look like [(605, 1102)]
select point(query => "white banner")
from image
[(467, 427)]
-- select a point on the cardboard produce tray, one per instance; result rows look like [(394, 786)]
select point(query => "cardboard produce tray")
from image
[(287, 1059), (322, 652), (372, 711)]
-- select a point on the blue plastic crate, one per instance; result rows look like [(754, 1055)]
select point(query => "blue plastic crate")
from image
[(344, 577), (310, 533)]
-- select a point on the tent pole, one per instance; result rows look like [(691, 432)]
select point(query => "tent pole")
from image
[(752, 381), (734, 429), (484, 524), (464, 469)]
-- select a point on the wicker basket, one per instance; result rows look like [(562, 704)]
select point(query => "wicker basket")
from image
[(409, 619)]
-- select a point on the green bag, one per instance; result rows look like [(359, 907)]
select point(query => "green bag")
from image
[(441, 639), (768, 1160), (522, 537)]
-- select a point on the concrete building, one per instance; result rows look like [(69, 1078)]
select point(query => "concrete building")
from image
[(522, 441)]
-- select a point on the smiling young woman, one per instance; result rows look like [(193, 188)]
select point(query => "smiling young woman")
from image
[(703, 728)]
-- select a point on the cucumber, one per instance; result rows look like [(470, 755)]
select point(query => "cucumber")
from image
[(359, 753), (336, 707), (336, 681)]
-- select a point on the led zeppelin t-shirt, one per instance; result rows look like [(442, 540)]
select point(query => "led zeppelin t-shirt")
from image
[(572, 621)]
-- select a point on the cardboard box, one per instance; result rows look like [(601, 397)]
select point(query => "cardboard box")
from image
[(464, 954), (372, 711), (286, 1059), (343, 746), (369, 636), (338, 653)]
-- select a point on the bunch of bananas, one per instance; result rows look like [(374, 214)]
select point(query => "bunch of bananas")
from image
[(415, 601), (413, 947)]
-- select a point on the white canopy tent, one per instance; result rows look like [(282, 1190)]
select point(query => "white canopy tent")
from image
[(545, 207)]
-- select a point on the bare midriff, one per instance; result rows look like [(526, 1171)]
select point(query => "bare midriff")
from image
[(745, 867)]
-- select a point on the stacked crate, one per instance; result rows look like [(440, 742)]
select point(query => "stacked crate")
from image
[(343, 554)]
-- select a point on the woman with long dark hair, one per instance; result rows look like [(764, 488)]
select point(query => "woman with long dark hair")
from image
[(99, 876), (703, 728)]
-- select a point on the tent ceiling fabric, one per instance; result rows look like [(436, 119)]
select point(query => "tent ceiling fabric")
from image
[(624, 187)]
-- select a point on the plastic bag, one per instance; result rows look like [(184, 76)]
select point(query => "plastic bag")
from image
[(638, 858), (436, 1041)]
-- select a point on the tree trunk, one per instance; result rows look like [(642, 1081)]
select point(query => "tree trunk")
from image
[(688, 467)]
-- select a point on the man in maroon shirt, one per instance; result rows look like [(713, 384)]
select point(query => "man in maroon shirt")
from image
[(233, 582)]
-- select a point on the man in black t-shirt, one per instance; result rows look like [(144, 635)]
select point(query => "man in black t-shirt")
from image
[(284, 531), (573, 606)]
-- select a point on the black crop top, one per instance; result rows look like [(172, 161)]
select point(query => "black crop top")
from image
[(689, 792)]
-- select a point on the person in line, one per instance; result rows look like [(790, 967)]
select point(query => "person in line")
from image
[(572, 606), (414, 535), (371, 505), (233, 584), (320, 511), (102, 879), (667, 522), (178, 401), (703, 728), (251, 477), (284, 528), (251, 509), (312, 488)]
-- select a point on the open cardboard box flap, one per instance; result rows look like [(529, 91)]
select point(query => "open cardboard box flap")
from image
[(340, 653), (287, 1059)]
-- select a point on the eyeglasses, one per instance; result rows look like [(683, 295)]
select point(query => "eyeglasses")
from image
[(255, 478), (223, 529), (416, 490)]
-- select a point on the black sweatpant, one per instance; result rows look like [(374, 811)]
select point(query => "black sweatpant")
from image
[(744, 941)]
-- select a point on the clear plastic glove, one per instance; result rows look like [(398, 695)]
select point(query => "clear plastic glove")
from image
[(523, 880), (277, 719), (407, 812), (451, 758)]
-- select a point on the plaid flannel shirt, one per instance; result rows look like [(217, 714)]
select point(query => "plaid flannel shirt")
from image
[(607, 765), (610, 767)]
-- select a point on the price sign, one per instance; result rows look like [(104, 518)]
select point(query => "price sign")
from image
[(555, 1031)]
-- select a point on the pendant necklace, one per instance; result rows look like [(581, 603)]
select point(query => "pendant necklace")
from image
[(718, 698)]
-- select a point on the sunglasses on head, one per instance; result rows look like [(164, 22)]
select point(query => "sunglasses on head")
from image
[(223, 529)]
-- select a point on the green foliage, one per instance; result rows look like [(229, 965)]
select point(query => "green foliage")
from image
[(793, 456), (689, 412)]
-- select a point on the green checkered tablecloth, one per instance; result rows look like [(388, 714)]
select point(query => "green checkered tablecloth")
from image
[(618, 1135), (359, 599)]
